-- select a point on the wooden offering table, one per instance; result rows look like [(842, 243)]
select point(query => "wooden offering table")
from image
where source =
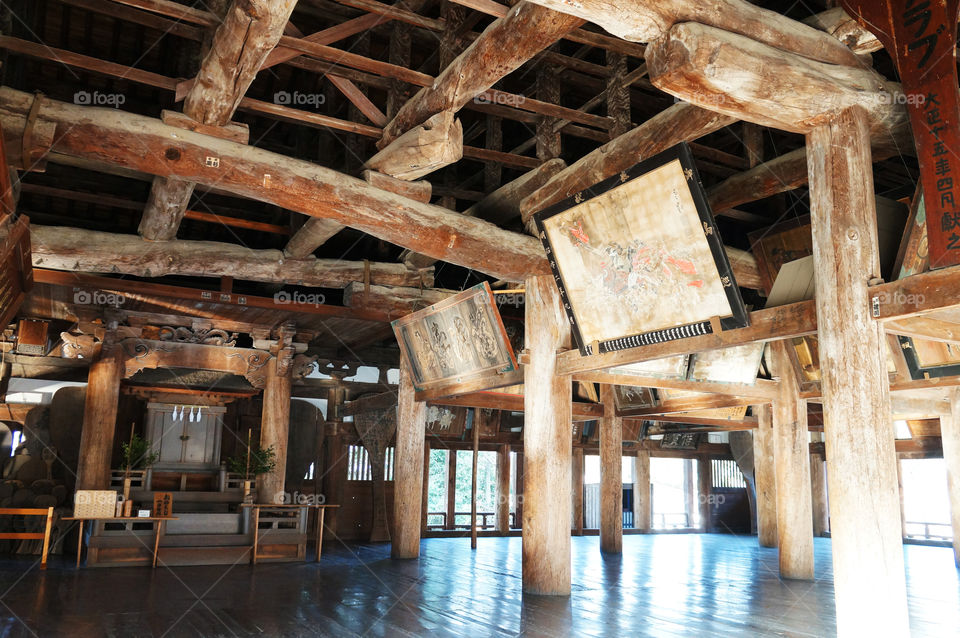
[(285, 519), (128, 521)]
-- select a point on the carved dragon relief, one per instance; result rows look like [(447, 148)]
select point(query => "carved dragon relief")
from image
[(147, 353), (204, 336), (255, 361)]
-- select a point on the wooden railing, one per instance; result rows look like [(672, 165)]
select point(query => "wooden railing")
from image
[(30, 536), (926, 530), (678, 520), (482, 517)]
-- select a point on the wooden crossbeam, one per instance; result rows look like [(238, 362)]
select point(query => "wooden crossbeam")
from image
[(530, 28), (147, 145), (763, 390), (75, 249), (646, 21)]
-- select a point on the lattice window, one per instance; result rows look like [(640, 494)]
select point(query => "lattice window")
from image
[(726, 474), (358, 464)]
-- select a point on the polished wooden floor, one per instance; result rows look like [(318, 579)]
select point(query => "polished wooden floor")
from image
[(663, 585)]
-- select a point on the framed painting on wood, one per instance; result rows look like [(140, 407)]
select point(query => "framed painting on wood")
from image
[(927, 359), (459, 339), (639, 260), (446, 421)]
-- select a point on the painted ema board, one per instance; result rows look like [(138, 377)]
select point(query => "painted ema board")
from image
[(459, 339), (638, 259)]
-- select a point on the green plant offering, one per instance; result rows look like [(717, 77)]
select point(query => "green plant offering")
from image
[(136, 454), (261, 462)]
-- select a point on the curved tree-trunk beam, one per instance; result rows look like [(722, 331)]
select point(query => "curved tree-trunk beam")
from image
[(527, 27), (743, 78), (246, 36), (645, 21), (680, 123), (314, 233), (75, 249), (147, 145), (249, 32)]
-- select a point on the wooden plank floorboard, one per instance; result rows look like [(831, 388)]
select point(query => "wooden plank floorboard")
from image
[(664, 586)]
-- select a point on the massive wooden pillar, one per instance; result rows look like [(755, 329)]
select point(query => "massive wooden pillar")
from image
[(861, 461), (576, 492), (611, 474), (547, 442), (518, 515), (950, 435), (705, 492), (335, 467), (818, 484), (764, 472), (275, 431), (503, 489), (791, 449), (690, 491), (425, 494), (642, 505), (408, 469), (451, 520), (99, 420)]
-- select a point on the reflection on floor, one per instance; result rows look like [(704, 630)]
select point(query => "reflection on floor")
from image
[(666, 585)]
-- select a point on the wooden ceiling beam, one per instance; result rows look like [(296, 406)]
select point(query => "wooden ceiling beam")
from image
[(740, 77), (150, 292), (581, 36), (75, 249), (762, 391), (101, 199), (680, 123), (241, 43), (147, 145), (529, 28), (647, 20)]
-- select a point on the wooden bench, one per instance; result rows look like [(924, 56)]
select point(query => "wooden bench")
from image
[(31, 536)]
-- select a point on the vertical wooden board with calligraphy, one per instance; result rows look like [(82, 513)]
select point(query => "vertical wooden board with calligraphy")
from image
[(921, 37), (162, 504)]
